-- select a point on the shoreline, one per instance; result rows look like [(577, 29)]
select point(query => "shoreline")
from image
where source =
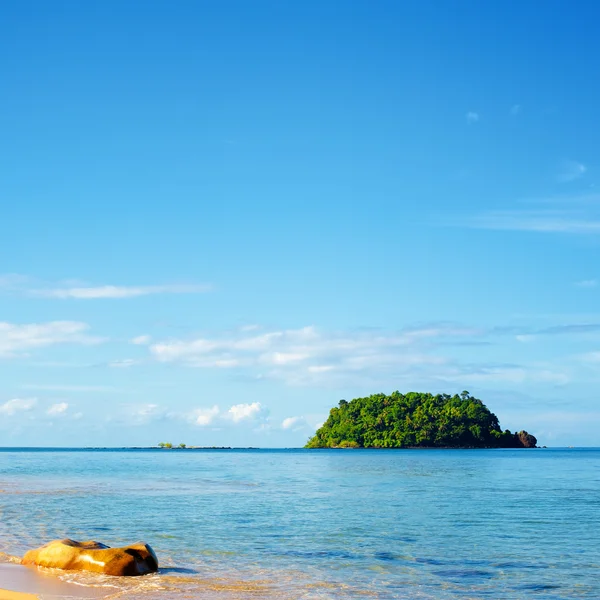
[(266, 449), (200, 449), (18, 582)]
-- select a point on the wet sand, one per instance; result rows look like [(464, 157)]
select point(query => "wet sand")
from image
[(25, 583)]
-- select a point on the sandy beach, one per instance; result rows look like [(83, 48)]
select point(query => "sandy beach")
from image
[(24, 583), (8, 595)]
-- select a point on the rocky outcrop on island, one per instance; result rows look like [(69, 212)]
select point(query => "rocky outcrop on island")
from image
[(137, 559), (526, 440), (416, 420)]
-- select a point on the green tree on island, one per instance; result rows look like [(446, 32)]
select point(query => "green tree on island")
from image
[(415, 420)]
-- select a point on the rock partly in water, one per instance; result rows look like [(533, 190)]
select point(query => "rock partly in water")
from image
[(137, 559), (526, 439)]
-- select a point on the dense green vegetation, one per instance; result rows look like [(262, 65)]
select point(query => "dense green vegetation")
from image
[(415, 420)]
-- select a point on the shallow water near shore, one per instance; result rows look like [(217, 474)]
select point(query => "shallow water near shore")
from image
[(323, 524)]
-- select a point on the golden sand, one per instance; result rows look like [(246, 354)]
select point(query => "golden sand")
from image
[(7, 595)]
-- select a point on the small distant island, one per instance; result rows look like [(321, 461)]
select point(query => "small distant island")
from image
[(416, 420)]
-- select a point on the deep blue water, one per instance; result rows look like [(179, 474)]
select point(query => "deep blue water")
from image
[(436, 524)]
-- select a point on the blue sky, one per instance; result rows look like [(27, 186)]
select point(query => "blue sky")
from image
[(219, 218)]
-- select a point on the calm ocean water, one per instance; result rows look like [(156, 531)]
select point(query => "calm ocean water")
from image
[(432, 524)]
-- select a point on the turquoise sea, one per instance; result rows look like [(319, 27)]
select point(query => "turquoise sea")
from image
[(339, 524)]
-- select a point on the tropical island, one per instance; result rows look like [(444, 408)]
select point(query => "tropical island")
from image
[(416, 420)]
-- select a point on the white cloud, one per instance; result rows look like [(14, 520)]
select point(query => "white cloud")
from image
[(587, 283), (181, 350), (115, 291), (294, 423), (205, 416), (16, 338), (525, 338), (472, 117), (218, 363), (17, 405), (141, 340), (284, 358), (268, 340), (254, 412), (571, 170), (58, 409), (132, 415), (225, 363), (68, 388), (540, 221), (416, 355), (320, 368), (80, 290), (507, 374), (591, 357), (220, 352), (308, 355), (146, 410), (146, 413), (243, 412), (439, 331), (123, 364)]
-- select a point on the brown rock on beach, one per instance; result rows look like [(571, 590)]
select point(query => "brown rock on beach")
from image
[(137, 559)]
